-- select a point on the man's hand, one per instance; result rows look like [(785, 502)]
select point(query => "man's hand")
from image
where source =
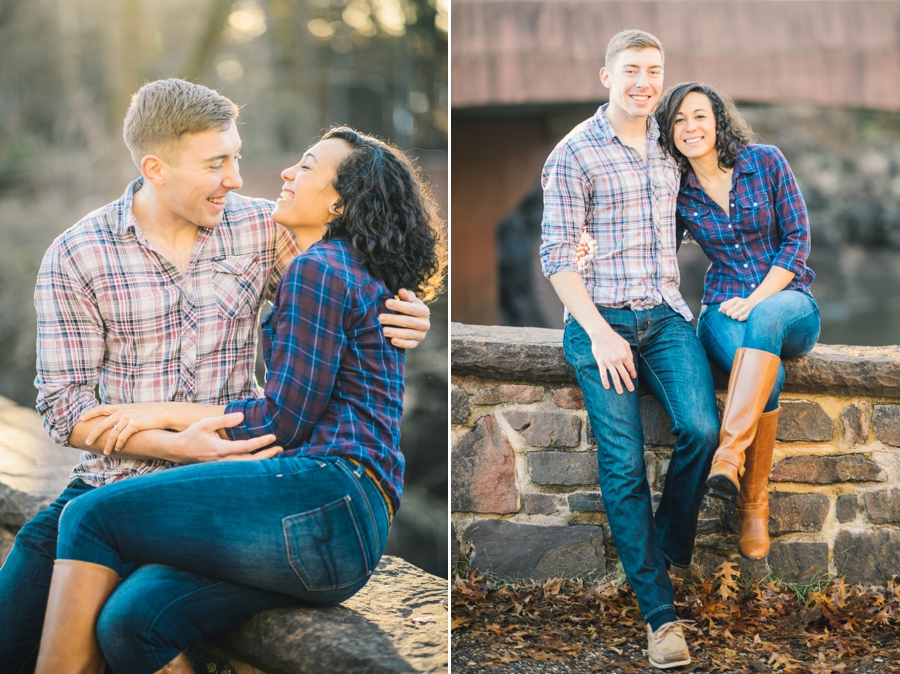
[(411, 322), (613, 355), (737, 308), (201, 442)]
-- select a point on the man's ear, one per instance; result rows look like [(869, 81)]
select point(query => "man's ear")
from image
[(153, 169), (604, 77)]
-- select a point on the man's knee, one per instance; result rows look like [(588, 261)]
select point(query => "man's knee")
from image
[(702, 430), (38, 536)]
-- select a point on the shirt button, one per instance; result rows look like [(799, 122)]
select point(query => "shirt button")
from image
[(732, 205), (752, 285), (745, 265), (695, 214), (754, 204), (737, 245), (729, 227)]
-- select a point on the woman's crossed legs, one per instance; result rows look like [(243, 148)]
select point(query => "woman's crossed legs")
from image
[(785, 324), (223, 541)]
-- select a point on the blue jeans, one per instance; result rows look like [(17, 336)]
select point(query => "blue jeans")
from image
[(25, 584), (670, 362), (786, 324), (220, 542)]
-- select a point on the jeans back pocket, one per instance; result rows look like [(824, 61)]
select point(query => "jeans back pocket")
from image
[(325, 547)]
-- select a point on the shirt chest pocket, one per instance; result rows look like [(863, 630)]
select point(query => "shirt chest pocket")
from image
[(756, 215), (238, 283), (701, 225)]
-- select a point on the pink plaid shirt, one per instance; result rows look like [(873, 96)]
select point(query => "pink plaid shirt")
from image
[(599, 191), (115, 316)]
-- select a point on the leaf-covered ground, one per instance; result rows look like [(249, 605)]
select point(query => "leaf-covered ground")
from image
[(578, 626)]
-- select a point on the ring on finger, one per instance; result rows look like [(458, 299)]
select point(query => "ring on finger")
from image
[(116, 426)]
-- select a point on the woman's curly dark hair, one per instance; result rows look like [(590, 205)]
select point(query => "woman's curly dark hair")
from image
[(732, 130), (389, 215)]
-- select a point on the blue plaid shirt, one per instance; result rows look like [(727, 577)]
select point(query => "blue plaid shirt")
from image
[(335, 383), (767, 225)]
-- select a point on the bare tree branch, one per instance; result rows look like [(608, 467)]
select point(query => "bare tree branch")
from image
[(205, 48)]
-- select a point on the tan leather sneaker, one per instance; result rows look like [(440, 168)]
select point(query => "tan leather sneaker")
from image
[(666, 646)]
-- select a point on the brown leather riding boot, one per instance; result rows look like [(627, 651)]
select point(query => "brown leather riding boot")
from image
[(78, 591), (180, 665), (753, 500), (752, 377)]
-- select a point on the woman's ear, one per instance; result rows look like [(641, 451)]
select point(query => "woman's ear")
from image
[(336, 209)]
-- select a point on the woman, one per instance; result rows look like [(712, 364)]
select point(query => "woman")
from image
[(740, 202), (310, 524)]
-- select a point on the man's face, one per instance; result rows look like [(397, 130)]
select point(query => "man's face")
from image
[(635, 81), (203, 170)]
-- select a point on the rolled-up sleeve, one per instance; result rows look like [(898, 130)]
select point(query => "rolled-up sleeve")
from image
[(792, 217), (565, 210), (307, 346), (69, 346)]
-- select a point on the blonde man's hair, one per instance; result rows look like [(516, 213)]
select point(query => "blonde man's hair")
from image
[(632, 39), (163, 111)]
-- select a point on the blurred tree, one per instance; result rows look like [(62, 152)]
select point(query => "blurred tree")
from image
[(297, 66), (200, 59)]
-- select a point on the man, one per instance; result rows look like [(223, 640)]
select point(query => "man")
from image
[(155, 298), (609, 188)]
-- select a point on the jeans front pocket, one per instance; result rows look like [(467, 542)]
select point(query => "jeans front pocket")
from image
[(325, 547)]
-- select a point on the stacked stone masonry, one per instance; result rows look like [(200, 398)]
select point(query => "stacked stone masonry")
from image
[(525, 497)]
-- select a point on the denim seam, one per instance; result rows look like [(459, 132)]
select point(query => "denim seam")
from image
[(680, 566), (21, 669), (187, 480), (787, 327), (714, 337), (365, 498), (659, 609), (302, 574), (671, 407), (659, 383)]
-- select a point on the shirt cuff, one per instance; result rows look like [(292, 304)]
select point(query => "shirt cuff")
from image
[(241, 431), (61, 420), (557, 267), (789, 262)]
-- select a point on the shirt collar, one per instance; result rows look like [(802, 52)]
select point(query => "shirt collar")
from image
[(606, 132), (125, 221), (742, 164)]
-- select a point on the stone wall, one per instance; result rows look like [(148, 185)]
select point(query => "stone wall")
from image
[(525, 498)]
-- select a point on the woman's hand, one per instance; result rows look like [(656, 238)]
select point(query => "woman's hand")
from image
[(123, 421), (411, 322), (737, 308)]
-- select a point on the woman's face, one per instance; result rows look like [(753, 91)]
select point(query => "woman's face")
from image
[(694, 129), (308, 198)]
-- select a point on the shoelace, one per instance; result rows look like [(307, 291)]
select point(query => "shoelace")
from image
[(660, 634)]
